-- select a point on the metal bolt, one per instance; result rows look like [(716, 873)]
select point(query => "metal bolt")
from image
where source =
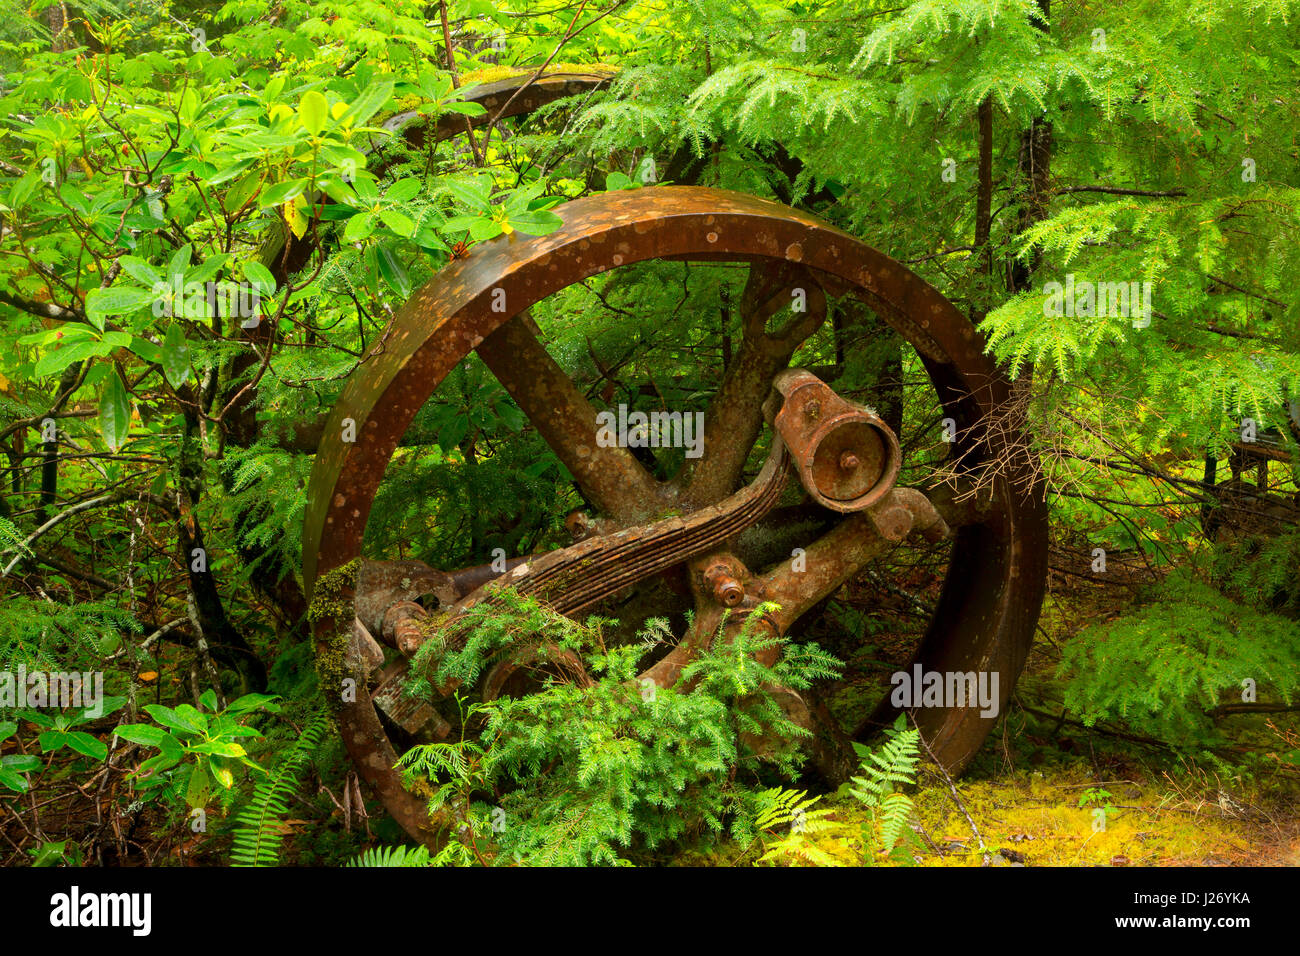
[(728, 592), (726, 589), (848, 461)]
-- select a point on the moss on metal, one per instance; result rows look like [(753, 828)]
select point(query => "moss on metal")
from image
[(332, 601)]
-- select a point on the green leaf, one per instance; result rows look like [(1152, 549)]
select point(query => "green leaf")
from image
[(227, 173), (175, 356), (371, 99), (459, 223), (74, 198), (196, 717), (170, 718), (107, 706), (468, 109), (115, 300), (151, 772), (248, 702), (208, 268), (87, 745), (314, 111), (339, 191), (145, 349), (399, 223), (54, 362), (481, 229), (260, 276), (223, 773), (23, 763), (359, 227), (146, 734), (281, 193), (403, 190), (473, 191), (364, 185), (140, 271), (180, 262), (220, 748), (115, 413), (22, 190), (189, 105), (343, 159), (11, 780), (536, 222), (196, 795), (454, 433), (48, 854), (242, 192), (171, 747), (70, 334), (393, 272)]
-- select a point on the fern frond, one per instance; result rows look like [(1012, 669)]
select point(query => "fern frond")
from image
[(884, 771), (258, 832), (779, 807), (392, 856)]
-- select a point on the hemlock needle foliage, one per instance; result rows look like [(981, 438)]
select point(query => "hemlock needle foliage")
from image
[(598, 774)]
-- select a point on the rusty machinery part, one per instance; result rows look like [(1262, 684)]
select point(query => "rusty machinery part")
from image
[(522, 672), (848, 457), (514, 94), (990, 600), (571, 580)]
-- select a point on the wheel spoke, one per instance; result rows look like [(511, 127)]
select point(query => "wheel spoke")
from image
[(800, 582), (735, 416), (611, 478)]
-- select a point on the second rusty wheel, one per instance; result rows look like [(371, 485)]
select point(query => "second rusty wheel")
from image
[(846, 458)]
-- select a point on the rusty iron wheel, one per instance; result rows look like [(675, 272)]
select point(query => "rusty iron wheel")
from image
[(989, 605)]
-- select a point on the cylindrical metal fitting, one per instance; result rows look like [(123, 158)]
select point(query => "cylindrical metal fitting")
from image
[(847, 457), (406, 627), (727, 590)]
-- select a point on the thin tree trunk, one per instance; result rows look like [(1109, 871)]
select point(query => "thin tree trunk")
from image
[(1034, 168)]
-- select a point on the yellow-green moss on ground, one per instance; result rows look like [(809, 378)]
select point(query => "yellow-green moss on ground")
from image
[(1036, 816)]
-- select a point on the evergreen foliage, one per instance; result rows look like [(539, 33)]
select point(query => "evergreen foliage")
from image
[(590, 774), (392, 856), (1167, 665)]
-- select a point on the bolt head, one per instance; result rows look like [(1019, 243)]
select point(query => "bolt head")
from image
[(731, 595)]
